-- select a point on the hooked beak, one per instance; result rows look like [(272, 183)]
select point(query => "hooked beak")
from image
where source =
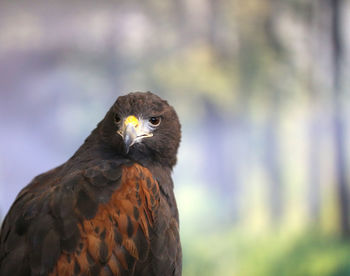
[(133, 131)]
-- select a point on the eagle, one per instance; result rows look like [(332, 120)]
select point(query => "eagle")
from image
[(110, 209)]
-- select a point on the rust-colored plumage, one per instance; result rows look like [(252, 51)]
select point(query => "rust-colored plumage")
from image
[(110, 209)]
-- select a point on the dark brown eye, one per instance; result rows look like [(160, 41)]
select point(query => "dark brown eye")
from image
[(117, 118), (155, 121)]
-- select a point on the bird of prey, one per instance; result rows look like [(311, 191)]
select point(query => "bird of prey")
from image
[(110, 209)]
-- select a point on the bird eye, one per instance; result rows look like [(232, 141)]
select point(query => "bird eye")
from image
[(155, 121), (117, 118)]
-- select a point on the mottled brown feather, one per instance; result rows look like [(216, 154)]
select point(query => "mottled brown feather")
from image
[(116, 217)]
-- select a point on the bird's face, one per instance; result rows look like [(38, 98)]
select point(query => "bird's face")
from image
[(143, 127), (134, 130)]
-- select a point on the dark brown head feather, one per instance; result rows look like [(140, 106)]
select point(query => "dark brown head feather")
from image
[(161, 149)]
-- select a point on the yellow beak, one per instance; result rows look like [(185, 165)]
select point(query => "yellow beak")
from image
[(133, 131)]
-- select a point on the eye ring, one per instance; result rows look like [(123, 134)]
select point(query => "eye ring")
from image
[(117, 118), (155, 121)]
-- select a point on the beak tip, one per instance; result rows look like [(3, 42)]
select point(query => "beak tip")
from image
[(129, 138)]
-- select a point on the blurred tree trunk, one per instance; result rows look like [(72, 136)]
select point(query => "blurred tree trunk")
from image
[(314, 193), (181, 23), (213, 22), (219, 33), (335, 7), (272, 139), (220, 170), (315, 124), (273, 163)]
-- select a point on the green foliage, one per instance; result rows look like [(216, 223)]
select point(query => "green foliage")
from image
[(238, 253), (313, 255)]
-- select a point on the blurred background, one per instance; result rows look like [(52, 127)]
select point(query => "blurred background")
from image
[(261, 88)]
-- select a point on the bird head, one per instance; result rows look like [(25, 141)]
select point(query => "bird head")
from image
[(143, 127)]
